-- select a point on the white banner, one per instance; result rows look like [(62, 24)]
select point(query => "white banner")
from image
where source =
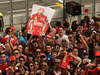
[(47, 11)]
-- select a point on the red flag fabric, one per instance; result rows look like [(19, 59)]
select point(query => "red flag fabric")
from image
[(40, 19), (37, 25), (86, 10)]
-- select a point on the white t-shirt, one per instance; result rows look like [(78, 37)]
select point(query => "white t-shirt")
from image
[(64, 37)]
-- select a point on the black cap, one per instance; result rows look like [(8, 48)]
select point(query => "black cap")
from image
[(69, 50)]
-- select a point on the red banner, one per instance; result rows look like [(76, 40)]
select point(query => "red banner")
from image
[(39, 21), (37, 25)]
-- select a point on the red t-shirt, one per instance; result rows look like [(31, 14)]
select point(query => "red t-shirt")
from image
[(4, 66), (36, 29), (67, 62)]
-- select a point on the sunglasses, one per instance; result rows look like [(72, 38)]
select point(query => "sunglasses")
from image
[(38, 51), (42, 56), (70, 37), (31, 65), (36, 64), (44, 65), (16, 53)]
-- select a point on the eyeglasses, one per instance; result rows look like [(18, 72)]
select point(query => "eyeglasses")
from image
[(38, 51), (36, 64), (42, 56), (44, 65), (16, 53)]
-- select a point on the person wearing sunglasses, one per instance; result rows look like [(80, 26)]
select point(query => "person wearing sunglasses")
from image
[(12, 66), (22, 62), (21, 71), (31, 69)]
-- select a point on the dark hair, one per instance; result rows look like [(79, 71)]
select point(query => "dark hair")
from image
[(2, 52), (85, 54), (30, 54), (82, 22), (66, 24), (34, 41), (7, 31), (56, 45), (69, 50), (74, 25), (22, 57), (64, 41), (23, 29), (87, 33), (87, 19)]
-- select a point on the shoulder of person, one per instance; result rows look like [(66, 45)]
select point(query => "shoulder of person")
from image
[(27, 72), (79, 58), (65, 36), (18, 64)]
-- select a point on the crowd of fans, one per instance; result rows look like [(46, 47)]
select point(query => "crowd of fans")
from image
[(61, 51)]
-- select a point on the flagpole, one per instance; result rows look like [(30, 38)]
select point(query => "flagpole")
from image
[(26, 6), (11, 13)]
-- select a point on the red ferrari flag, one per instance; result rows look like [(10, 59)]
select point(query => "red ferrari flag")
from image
[(40, 19)]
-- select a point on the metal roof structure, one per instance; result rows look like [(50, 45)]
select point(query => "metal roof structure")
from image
[(19, 6)]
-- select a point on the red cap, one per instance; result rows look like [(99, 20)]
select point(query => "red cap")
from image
[(49, 36), (14, 42), (13, 28), (4, 39), (42, 54), (12, 58)]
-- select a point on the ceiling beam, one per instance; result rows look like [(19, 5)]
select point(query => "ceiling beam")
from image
[(30, 9), (4, 2)]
